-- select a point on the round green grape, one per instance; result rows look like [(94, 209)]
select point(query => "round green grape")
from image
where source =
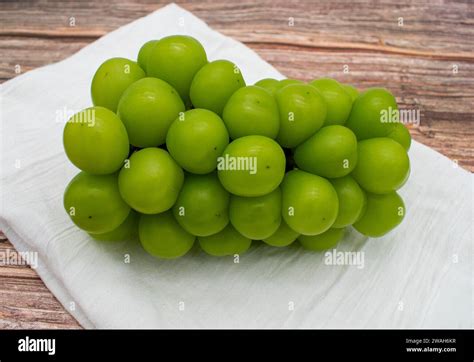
[(144, 53), (284, 236), (213, 85), (383, 213), (258, 217), (251, 166), (383, 165), (202, 207), (96, 141), (111, 80), (227, 242), (251, 110), (330, 152), (127, 230), (351, 90), (302, 113), (271, 85), (338, 101), (196, 139), (309, 202), (151, 181), (94, 204), (352, 201), (176, 59), (162, 237), (401, 134), (327, 240), (147, 109), (371, 114)]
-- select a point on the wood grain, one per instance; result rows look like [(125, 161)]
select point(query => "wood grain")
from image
[(302, 39)]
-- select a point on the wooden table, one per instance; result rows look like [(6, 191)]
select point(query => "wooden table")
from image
[(421, 51)]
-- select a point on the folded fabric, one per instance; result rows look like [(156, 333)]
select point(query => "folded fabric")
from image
[(418, 276)]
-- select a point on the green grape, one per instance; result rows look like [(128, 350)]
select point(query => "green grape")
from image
[(309, 202), (162, 237), (302, 113), (111, 80), (176, 59), (352, 201), (284, 236), (94, 204), (271, 85), (213, 85), (147, 109), (284, 82), (144, 53), (401, 134), (127, 230), (251, 166), (196, 139), (202, 207), (251, 110), (383, 165), (383, 213), (258, 217), (327, 240), (331, 152), (96, 141), (351, 90), (151, 181), (338, 101), (370, 112), (226, 242)]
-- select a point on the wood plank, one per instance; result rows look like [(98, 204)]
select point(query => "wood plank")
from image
[(440, 26)]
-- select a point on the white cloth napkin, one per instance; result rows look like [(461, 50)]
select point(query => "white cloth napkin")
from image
[(418, 276)]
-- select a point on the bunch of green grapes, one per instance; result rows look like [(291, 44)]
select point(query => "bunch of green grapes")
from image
[(177, 150)]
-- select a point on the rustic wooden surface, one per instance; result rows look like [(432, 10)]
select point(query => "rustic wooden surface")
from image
[(302, 39)]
